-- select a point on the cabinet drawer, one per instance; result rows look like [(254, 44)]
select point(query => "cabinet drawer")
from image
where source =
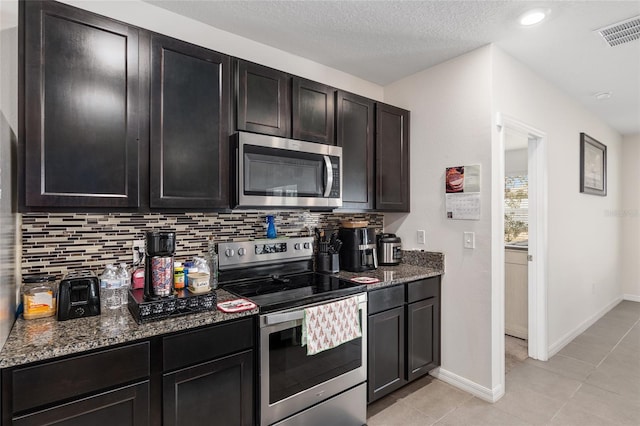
[(123, 407), (386, 298), (423, 289), (59, 380), (184, 349)]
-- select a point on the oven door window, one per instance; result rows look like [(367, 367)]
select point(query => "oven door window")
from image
[(282, 173), (291, 370)]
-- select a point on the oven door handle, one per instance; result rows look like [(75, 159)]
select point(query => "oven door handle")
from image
[(283, 317), (279, 318)]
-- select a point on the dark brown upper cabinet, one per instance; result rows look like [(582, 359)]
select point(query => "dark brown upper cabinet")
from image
[(81, 109), (189, 145), (313, 111), (355, 134), (392, 158), (263, 99)]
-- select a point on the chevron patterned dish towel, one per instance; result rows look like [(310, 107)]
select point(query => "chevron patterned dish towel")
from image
[(331, 324)]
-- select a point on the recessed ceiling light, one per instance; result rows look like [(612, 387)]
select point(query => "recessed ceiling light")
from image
[(603, 96), (532, 17)]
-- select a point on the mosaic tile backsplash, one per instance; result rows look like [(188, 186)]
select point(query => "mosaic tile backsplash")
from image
[(56, 243)]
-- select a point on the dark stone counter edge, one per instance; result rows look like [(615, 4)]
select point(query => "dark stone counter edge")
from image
[(403, 280), (16, 352)]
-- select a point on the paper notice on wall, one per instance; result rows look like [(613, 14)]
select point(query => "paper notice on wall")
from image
[(463, 206), (462, 192)]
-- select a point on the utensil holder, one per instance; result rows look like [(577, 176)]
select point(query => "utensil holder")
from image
[(328, 262)]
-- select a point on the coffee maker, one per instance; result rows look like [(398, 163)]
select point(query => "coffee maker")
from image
[(358, 251), (158, 273)]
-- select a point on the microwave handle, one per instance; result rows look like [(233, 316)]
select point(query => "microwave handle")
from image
[(328, 179)]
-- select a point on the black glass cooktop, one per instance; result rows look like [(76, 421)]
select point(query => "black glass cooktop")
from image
[(276, 293)]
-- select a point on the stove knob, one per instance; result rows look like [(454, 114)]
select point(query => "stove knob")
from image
[(296, 246), (307, 246), (241, 252), (228, 252)]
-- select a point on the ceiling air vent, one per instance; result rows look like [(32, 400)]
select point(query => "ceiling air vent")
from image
[(622, 32)]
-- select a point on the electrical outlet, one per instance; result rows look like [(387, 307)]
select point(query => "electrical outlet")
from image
[(421, 237), (137, 249)]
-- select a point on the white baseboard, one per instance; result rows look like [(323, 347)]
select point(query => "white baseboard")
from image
[(631, 297), (567, 338), (482, 392)]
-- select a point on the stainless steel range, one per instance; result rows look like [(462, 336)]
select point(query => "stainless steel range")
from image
[(295, 388)]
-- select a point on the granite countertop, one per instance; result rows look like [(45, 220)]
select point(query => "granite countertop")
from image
[(392, 275), (46, 338)]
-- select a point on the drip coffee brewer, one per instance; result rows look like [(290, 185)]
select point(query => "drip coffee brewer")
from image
[(158, 274)]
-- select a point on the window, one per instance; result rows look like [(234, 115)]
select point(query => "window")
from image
[(516, 209)]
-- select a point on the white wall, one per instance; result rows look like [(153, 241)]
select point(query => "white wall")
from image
[(9, 228), (451, 125), (630, 215), (583, 236), (150, 17)]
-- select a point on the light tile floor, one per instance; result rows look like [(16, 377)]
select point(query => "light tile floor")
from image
[(593, 381)]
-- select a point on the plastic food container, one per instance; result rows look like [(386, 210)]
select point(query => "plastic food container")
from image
[(39, 296), (199, 282)]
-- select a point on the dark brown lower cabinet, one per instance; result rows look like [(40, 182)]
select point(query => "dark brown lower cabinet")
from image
[(386, 352), (423, 342), (124, 406), (219, 391), (404, 335), (202, 376)]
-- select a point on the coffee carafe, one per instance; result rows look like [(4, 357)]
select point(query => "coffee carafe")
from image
[(158, 274), (358, 251)]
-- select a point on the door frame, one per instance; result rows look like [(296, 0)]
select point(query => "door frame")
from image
[(538, 346)]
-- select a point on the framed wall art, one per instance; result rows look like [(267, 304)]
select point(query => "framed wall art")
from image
[(593, 166)]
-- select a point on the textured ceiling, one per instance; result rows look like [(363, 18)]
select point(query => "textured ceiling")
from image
[(384, 41)]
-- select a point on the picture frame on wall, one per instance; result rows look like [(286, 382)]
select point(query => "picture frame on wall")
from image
[(593, 166)]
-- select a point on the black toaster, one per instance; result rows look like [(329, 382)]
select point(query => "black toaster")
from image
[(78, 296)]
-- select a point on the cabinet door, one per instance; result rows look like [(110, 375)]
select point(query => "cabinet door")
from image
[(423, 337), (124, 406), (81, 117), (189, 125), (392, 158), (313, 111), (263, 100), (355, 131), (219, 392), (386, 353)]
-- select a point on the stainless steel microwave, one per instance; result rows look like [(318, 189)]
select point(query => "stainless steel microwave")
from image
[(278, 172)]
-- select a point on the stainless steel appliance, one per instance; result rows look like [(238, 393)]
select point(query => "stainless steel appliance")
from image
[(321, 389), (389, 249), (278, 172), (359, 250)]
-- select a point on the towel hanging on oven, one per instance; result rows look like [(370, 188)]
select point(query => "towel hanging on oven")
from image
[(331, 324)]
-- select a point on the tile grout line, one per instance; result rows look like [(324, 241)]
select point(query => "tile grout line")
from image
[(615, 346)]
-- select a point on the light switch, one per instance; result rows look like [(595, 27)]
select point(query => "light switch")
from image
[(421, 237), (470, 240)]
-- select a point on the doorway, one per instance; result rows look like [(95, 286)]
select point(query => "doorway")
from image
[(516, 243), (534, 141)]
